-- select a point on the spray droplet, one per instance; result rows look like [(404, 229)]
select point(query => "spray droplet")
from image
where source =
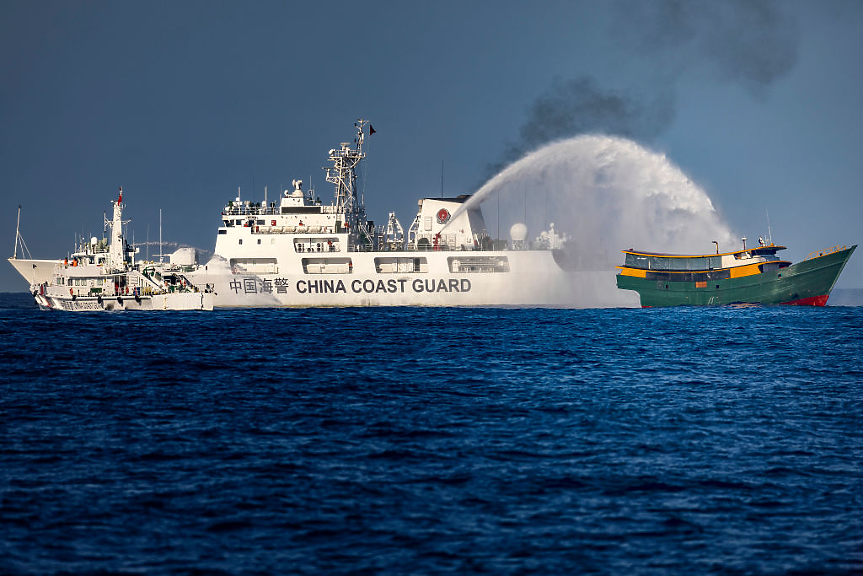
[(607, 194)]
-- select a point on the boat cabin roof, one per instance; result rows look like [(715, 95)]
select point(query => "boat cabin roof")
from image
[(768, 250), (461, 198)]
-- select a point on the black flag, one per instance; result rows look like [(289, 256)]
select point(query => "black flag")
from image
[(371, 130)]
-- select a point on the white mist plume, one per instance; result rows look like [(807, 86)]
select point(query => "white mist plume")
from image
[(608, 194)]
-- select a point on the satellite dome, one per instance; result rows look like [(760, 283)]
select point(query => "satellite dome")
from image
[(518, 232)]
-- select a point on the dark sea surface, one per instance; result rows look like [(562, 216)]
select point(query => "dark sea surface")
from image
[(391, 441)]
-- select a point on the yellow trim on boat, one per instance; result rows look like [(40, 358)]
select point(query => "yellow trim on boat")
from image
[(632, 272), (773, 247), (746, 270)]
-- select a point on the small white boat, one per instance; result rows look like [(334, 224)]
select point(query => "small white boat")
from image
[(102, 274)]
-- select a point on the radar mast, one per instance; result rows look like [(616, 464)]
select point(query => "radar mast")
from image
[(343, 175)]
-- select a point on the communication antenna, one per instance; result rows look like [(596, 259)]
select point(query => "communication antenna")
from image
[(160, 235), (17, 227), (25, 252), (769, 232), (344, 176)]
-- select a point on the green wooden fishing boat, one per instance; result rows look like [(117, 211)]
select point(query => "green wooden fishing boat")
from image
[(751, 275)]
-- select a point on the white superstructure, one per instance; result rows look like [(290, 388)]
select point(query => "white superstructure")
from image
[(102, 274), (298, 251)]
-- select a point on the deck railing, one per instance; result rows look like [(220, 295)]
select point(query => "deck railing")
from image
[(825, 252)]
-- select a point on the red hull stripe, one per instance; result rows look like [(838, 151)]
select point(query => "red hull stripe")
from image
[(811, 301)]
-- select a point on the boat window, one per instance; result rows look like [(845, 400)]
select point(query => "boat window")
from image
[(395, 264), (241, 240), (481, 264), (301, 210), (254, 265), (658, 263), (636, 261), (328, 266), (698, 276), (645, 262), (317, 244)]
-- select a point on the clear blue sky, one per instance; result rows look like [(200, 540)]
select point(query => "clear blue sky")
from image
[(182, 102)]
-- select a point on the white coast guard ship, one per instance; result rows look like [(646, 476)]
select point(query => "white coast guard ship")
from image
[(299, 252), (103, 275)]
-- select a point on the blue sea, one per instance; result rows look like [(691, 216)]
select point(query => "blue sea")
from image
[(432, 441)]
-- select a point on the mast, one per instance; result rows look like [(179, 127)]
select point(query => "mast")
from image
[(343, 175), (769, 231), (17, 228), (117, 243)]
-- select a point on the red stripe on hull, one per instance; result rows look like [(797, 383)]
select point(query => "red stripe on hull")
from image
[(811, 301)]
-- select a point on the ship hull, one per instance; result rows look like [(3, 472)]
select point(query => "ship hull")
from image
[(807, 283), (34, 271), (171, 301), (532, 279)]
